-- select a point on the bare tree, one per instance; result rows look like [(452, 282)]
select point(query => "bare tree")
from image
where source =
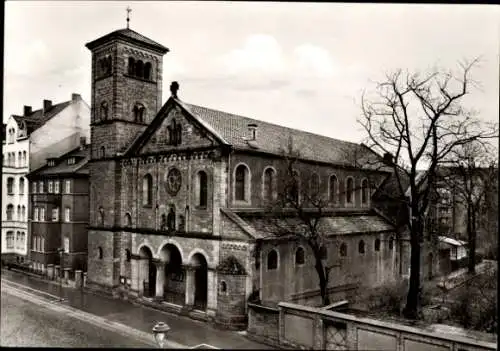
[(419, 119), (471, 173)]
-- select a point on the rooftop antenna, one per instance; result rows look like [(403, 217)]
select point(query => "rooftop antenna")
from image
[(128, 13)]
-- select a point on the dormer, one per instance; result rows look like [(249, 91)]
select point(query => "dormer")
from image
[(51, 162), (71, 161)]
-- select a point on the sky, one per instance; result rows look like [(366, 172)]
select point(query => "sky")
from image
[(301, 65)]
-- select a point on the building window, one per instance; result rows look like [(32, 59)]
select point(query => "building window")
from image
[(147, 71), (101, 216), (51, 187), (10, 240), (102, 152), (56, 187), (35, 214), (223, 287), (10, 212), (67, 186), (349, 192), (323, 254), (203, 189), (128, 255), (174, 133), (391, 243), (67, 212), (343, 250), (71, 161), (21, 186), (147, 190), (139, 110), (131, 66), (269, 184), (23, 211), (25, 160), (104, 110), (66, 244), (10, 186), (128, 220), (333, 184), (364, 191), (314, 185), (182, 223), (171, 218), (18, 212), (272, 260), (33, 186), (292, 188), (99, 253), (40, 187), (19, 159), (241, 180), (42, 214), (377, 244), (139, 68), (42, 244), (300, 256), (55, 214), (361, 247)]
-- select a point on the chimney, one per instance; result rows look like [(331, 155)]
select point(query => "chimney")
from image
[(388, 158), (75, 97), (27, 110), (47, 104), (252, 128)]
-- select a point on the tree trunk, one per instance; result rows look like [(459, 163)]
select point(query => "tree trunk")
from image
[(412, 300), (323, 281), (471, 228)]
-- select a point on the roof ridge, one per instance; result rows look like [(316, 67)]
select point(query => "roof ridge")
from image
[(273, 124)]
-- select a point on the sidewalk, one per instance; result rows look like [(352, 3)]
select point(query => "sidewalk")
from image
[(183, 330)]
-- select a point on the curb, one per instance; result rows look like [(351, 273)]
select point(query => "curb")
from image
[(95, 320)]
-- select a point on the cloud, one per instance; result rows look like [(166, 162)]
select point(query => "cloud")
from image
[(313, 59), (26, 59)]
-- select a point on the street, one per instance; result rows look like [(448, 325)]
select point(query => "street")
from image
[(26, 323)]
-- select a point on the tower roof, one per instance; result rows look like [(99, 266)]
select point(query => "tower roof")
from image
[(129, 35)]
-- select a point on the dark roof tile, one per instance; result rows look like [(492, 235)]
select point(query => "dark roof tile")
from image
[(129, 34), (39, 117)]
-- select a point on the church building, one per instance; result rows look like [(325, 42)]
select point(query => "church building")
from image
[(179, 192)]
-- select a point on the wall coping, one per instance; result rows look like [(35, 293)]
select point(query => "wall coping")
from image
[(387, 325), (261, 307)]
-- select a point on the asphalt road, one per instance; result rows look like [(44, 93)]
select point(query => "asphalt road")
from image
[(26, 323)]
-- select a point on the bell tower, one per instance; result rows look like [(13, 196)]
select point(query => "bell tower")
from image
[(125, 97)]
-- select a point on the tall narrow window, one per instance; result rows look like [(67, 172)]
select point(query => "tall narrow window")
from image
[(240, 182), (42, 214), (21, 186), (131, 66), (364, 191), (99, 253), (299, 256), (128, 220), (333, 189), (377, 244), (36, 217), (203, 191), (10, 186), (272, 260), (10, 240), (349, 190), (147, 190), (171, 219), (66, 244), (293, 188), (18, 212), (104, 110), (139, 68), (361, 247), (55, 214), (67, 186), (50, 187), (101, 216), (343, 250), (323, 254), (40, 187), (23, 211), (147, 71), (178, 130), (56, 186), (139, 112), (10, 212), (102, 152), (19, 159), (269, 184), (33, 187), (67, 214), (25, 160), (42, 245), (314, 185)]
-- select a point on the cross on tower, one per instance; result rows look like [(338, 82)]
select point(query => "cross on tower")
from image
[(128, 12)]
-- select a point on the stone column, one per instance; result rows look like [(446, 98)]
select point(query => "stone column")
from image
[(190, 282), (143, 273), (50, 271), (211, 291), (135, 273), (66, 275), (85, 279), (160, 279), (78, 278)]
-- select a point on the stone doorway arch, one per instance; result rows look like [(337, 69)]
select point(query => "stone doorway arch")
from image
[(175, 276), (200, 266), (148, 272)]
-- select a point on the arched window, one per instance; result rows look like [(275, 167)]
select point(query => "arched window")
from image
[(178, 132), (364, 191), (323, 254), (269, 184), (377, 244), (25, 161), (391, 243), (18, 212), (101, 216), (202, 188), (128, 220), (19, 159), (10, 186), (314, 185), (171, 218), (99, 253), (343, 250), (241, 175), (223, 287), (361, 247), (147, 71), (272, 260), (103, 152), (182, 223), (349, 191), (292, 191), (10, 212), (147, 190), (104, 110), (299, 256), (131, 66), (21, 186), (109, 65), (139, 69), (128, 255), (139, 112), (23, 211)]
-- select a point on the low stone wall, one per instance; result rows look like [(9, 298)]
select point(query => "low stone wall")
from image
[(306, 327)]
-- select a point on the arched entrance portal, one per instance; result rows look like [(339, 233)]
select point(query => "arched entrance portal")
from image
[(200, 281), (148, 272), (175, 278)]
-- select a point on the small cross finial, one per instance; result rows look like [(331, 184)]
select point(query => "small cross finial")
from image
[(128, 13)]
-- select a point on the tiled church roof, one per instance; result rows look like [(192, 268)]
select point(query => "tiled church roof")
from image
[(128, 34)]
